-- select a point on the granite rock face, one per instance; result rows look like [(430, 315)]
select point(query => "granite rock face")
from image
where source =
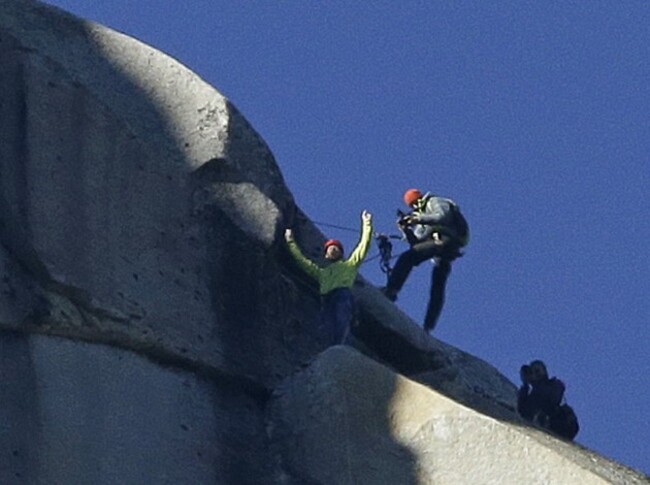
[(134, 196), (74, 412), (153, 328), (409, 434)]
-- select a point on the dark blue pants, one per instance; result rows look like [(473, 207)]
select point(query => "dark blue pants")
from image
[(420, 252), (439, 277), (336, 314)]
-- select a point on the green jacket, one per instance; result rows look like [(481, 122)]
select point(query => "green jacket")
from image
[(340, 274)]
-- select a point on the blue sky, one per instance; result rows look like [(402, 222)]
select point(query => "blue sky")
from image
[(533, 116)]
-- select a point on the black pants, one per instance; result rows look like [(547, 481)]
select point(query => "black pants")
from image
[(439, 276), (419, 252)]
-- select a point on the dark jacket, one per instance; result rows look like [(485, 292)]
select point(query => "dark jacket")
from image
[(543, 400), (437, 214)]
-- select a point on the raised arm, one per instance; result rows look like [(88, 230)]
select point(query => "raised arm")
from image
[(307, 265), (361, 251)]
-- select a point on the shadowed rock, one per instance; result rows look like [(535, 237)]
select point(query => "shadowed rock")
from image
[(330, 432), (148, 308)]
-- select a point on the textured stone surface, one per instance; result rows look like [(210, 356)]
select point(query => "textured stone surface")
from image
[(83, 413), (412, 352), (138, 209), (136, 202), (148, 307), (347, 419)]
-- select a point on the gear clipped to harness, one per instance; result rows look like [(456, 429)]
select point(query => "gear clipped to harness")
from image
[(385, 252)]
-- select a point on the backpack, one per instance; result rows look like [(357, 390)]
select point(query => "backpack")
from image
[(564, 422), (460, 224)]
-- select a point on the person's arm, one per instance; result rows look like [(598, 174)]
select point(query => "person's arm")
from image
[(434, 213), (306, 264), (361, 251), (556, 393), (523, 404)]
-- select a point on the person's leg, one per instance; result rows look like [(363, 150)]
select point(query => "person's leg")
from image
[(328, 316), (344, 314), (439, 277), (417, 254), (336, 315)]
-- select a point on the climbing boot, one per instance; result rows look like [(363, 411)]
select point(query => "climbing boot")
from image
[(389, 293)]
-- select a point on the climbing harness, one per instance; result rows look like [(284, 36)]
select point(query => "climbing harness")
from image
[(385, 251)]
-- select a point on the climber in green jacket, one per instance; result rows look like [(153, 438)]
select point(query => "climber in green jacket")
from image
[(336, 279)]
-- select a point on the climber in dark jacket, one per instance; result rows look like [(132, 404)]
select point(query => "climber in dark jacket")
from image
[(539, 397), (435, 229), (539, 400)]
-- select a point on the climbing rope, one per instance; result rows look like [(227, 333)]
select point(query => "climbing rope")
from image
[(343, 228), (384, 245)]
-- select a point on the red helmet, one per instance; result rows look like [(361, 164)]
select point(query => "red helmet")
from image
[(412, 195), (333, 242)]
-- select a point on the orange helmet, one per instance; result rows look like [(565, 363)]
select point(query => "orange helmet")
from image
[(412, 195), (333, 242)]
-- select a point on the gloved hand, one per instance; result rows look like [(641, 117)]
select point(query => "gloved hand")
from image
[(414, 218), (406, 221)]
